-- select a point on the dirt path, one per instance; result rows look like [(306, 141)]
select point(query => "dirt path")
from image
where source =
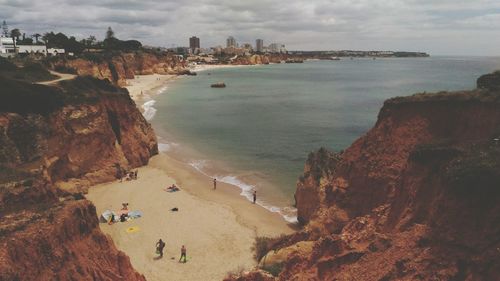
[(63, 76)]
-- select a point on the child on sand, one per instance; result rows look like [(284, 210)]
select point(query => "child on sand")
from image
[(215, 184), (183, 253), (254, 196)]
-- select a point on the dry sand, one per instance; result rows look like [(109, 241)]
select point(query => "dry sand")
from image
[(146, 85), (218, 227)]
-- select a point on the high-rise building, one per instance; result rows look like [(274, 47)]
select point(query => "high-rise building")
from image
[(259, 45), (231, 42), (194, 43)]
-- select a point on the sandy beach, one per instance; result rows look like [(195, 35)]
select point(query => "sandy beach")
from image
[(145, 85), (218, 227)]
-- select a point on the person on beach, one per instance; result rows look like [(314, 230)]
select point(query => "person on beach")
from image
[(159, 248), (215, 184), (183, 253), (111, 219), (254, 196)]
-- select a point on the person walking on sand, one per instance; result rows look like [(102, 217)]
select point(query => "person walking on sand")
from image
[(215, 183), (159, 248), (254, 196), (183, 253)]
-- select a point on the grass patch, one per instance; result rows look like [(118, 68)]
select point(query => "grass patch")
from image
[(274, 269), (262, 246)]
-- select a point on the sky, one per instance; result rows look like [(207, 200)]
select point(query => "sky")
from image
[(439, 27)]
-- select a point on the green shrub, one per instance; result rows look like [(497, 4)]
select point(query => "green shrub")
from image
[(274, 269), (262, 246)]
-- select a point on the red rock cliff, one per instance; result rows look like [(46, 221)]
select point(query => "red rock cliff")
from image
[(117, 67), (59, 241), (93, 129), (416, 198), (54, 142)]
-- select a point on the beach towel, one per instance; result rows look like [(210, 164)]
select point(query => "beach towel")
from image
[(106, 215), (132, 229), (135, 214)]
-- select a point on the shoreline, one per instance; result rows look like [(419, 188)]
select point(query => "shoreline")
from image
[(219, 227), (153, 85)]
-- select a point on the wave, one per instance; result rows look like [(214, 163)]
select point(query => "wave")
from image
[(288, 213), (149, 110), (164, 147)]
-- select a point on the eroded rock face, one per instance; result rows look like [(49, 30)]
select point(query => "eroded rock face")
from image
[(119, 67), (416, 198), (55, 141), (60, 242), (84, 142)]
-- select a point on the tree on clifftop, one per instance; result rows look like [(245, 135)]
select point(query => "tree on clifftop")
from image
[(36, 36), (14, 34)]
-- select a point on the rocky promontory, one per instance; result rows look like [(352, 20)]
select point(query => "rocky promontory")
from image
[(416, 198), (119, 66), (55, 141)]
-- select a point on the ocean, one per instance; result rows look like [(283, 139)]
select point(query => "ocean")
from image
[(257, 132)]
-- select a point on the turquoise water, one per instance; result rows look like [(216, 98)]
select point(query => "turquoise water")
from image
[(258, 131)]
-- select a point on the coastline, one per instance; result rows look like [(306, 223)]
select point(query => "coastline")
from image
[(218, 227)]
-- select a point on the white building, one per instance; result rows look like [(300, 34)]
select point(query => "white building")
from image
[(55, 51), (32, 49), (7, 47), (277, 48)]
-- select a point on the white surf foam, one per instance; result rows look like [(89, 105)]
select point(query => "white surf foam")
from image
[(247, 192), (164, 147), (149, 110)]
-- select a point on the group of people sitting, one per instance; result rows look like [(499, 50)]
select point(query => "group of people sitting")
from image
[(132, 175), (123, 214)]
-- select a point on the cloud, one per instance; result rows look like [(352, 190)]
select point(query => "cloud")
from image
[(435, 26)]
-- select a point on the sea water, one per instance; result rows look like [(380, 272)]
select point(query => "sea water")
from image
[(257, 132)]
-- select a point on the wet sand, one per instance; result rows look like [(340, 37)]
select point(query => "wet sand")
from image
[(218, 227)]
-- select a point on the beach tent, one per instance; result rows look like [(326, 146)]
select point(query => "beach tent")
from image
[(106, 215)]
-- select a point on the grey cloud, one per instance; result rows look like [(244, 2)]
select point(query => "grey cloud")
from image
[(427, 25)]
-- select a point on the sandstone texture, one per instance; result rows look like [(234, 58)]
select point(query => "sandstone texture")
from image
[(54, 143), (416, 198), (117, 67)]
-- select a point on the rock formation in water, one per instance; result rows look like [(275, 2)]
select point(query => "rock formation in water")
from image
[(54, 142), (416, 198), (119, 66)]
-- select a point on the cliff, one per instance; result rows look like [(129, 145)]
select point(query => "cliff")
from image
[(59, 241), (415, 198), (82, 131), (258, 59), (119, 66), (55, 142)]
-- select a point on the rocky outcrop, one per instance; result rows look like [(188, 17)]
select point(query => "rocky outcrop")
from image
[(52, 240), (416, 198), (117, 67), (87, 132), (259, 59), (489, 81), (54, 142)]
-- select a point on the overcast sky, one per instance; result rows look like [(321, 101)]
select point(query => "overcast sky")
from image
[(440, 27)]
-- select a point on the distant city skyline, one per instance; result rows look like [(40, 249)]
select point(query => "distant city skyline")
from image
[(440, 27)]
